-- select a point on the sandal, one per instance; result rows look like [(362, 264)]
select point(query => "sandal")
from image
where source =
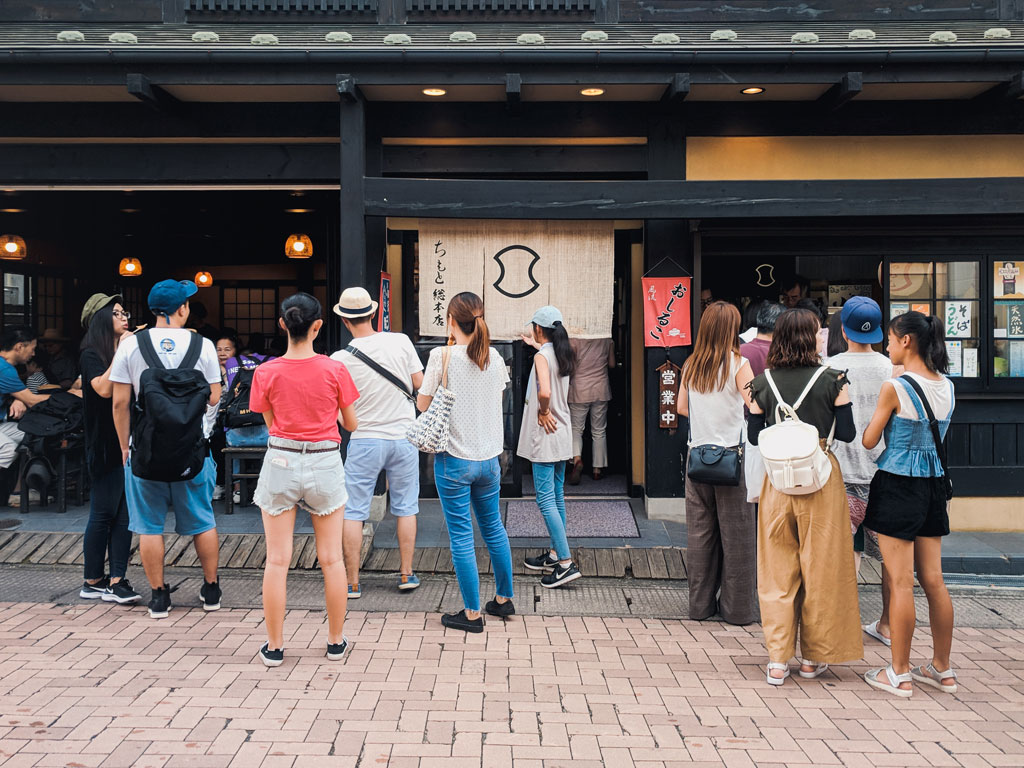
[(931, 676), (818, 669), (872, 631), (776, 680), (893, 684)]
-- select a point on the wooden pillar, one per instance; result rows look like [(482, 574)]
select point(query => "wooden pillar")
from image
[(352, 220)]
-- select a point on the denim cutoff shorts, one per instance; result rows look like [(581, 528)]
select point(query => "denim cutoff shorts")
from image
[(295, 477)]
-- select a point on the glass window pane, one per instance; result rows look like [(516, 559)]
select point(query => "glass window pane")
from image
[(1007, 280), (963, 358), (910, 280), (957, 280)]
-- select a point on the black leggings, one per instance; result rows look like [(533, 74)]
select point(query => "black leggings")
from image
[(107, 529)]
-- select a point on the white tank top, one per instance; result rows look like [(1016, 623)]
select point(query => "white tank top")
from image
[(717, 417), (940, 397)]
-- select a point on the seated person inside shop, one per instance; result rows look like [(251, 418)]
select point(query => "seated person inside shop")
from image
[(62, 369), (17, 347)]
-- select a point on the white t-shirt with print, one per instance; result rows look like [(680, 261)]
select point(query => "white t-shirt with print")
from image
[(383, 412), (476, 428), (171, 346)]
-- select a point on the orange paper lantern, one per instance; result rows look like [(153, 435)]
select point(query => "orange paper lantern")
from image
[(298, 247), (12, 248), (204, 279), (130, 268)]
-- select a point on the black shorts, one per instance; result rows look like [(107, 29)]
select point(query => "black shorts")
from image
[(907, 507)]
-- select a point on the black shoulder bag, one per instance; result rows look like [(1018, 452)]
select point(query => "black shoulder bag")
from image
[(940, 448), (380, 369)]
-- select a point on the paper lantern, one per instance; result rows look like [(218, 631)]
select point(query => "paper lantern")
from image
[(298, 247), (12, 248), (204, 279), (130, 268)]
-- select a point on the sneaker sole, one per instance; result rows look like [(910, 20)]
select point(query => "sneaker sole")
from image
[(562, 582), (270, 662), (355, 595), (542, 568), (90, 595), (161, 615), (211, 607), (337, 656), (121, 600), (501, 615), (407, 587)]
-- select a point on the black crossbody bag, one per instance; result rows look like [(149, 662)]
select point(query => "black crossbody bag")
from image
[(715, 464), (940, 448), (380, 369)]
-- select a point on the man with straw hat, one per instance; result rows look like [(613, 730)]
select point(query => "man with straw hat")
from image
[(387, 372)]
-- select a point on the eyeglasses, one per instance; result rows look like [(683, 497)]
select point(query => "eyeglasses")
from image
[(124, 314)]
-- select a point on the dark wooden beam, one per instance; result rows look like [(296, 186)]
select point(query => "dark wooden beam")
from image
[(517, 162), (678, 88), (154, 96), (352, 172), (347, 89), (513, 89), (451, 198), (1004, 93), (847, 89)]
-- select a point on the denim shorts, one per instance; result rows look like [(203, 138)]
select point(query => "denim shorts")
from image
[(290, 478), (149, 501), (367, 456)]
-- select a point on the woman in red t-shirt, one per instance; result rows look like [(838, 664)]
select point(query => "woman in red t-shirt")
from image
[(300, 396)]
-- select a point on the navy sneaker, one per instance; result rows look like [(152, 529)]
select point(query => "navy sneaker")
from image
[(160, 603), (336, 651), (501, 610), (544, 562), (121, 593), (461, 621), (210, 593), (561, 576), (94, 591), (271, 658)]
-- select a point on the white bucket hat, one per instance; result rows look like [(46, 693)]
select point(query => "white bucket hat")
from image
[(355, 302)]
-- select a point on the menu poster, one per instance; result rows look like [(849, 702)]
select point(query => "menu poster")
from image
[(924, 309), (970, 367), (1017, 358), (897, 308), (954, 349), (957, 319), (1015, 321), (1007, 283)]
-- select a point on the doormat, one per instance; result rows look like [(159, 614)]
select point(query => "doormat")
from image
[(612, 485), (584, 519)]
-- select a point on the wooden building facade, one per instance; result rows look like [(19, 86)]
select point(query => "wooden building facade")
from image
[(870, 149)]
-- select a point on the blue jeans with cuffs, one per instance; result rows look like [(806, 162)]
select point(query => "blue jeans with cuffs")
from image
[(549, 480)]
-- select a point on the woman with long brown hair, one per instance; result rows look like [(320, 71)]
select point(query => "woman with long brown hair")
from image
[(722, 533), (806, 580), (467, 474)]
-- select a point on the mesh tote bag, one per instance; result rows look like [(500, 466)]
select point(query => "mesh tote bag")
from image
[(429, 433)]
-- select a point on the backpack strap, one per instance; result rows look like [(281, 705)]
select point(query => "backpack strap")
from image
[(148, 348), (810, 384), (195, 348)]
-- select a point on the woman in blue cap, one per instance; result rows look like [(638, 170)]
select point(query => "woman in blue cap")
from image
[(546, 439)]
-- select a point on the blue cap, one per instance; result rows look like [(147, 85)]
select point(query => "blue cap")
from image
[(546, 317), (166, 296), (862, 320)]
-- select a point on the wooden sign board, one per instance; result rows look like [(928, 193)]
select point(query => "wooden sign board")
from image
[(668, 391)]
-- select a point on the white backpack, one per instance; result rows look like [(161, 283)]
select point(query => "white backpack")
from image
[(792, 455)]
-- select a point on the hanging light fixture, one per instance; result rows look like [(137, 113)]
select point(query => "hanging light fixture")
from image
[(298, 247), (204, 279), (12, 248), (130, 268)]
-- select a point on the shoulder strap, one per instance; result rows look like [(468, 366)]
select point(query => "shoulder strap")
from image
[(380, 369), (446, 356), (940, 448), (250, 358), (810, 384), (195, 348), (916, 396), (148, 349)]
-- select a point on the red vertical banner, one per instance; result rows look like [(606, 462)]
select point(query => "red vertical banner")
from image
[(666, 311), (384, 315)]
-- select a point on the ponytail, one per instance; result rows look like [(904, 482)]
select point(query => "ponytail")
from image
[(467, 310), (564, 353), (928, 335), (479, 349)]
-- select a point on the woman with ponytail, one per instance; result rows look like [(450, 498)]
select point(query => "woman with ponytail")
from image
[(468, 475), (907, 504), (300, 396), (546, 439)]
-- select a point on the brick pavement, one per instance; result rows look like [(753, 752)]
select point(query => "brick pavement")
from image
[(99, 685)]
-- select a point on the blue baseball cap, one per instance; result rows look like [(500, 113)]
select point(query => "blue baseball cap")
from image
[(166, 296), (862, 320), (546, 317)]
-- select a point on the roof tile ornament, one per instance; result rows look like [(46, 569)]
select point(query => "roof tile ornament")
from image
[(726, 35), (397, 38), (998, 33), (123, 37), (264, 39), (944, 36), (594, 36), (862, 34), (338, 37), (804, 37), (665, 38), (205, 36), (462, 36), (530, 38), (70, 36)]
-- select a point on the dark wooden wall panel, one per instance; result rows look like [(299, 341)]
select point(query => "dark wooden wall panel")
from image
[(958, 445), (81, 10), (820, 10), (1004, 445), (981, 445)]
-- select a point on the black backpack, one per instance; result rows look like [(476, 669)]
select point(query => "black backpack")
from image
[(60, 415), (167, 435), (234, 409)]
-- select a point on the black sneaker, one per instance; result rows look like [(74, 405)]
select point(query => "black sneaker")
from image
[(94, 591), (121, 593), (501, 610), (561, 576), (209, 593), (271, 658), (543, 563), (460, 621), (160, 603), (336, 651)]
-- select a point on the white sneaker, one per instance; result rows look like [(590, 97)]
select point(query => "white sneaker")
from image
[(218, 492)]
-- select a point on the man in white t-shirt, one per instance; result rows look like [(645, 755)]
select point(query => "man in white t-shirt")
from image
[(386, 371), (149, 501)]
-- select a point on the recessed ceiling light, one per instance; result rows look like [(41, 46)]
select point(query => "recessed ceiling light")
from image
[(592, 92), (752, 91), (434, 91), (298, 210), (129, 210), (12, 210)]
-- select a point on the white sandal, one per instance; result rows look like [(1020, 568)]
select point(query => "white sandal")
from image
[(893, 684), (931, 676), (872, 630), (776, 680), (818, 669)]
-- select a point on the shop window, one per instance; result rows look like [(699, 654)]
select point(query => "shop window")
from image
[(250, 310), (16, 299), (951, 291), (49, 303), (1008, 328)]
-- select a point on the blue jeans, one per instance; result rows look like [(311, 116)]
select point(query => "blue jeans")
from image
[(245, 437), (462, 484), (549, 480), (107, 529)]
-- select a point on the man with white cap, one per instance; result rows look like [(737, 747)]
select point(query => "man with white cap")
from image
[(387, 372)]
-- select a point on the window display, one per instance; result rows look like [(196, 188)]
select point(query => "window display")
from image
[(1008, 330)]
